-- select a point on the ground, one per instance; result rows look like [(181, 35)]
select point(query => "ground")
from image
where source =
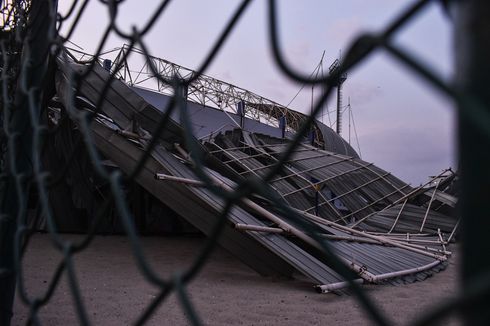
[(226, 292)]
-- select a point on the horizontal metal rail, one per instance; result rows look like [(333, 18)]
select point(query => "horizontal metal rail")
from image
[(406, 196), (375, 202), (381, 239), (326, 288), (350, 191), (322, 166), (294, 161), (326, 179)]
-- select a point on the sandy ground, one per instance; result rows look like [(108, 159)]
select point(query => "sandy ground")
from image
[(226, 292)]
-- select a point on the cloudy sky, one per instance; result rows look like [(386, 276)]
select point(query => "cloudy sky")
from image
[(404, 126)]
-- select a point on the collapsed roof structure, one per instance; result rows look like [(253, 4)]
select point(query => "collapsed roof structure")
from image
[(380, 227)]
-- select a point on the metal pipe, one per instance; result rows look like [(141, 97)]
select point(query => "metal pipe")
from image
[(239, 159), (294, 160), (260, 228), (322, 166), (441, 251), (381, 277), (367, 235), (361, 270), (320, 181), (257, 228), (397, 235), (440, 238), (386, 180), (332, 207), (421, 241), (454, 231), (428, 207), (398, 216), (247, 146), (374, 202), (191, 182), (325, 288), (350, 191), (407, 196)]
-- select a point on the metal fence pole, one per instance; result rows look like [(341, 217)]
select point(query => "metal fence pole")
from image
[(472, 36), (29, 94)]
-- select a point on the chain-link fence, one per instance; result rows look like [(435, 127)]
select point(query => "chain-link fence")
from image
[(30, 48)]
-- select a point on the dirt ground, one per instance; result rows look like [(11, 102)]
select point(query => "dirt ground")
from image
[(226, 292)]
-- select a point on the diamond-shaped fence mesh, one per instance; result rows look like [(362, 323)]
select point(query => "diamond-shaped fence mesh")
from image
[(32, 52)]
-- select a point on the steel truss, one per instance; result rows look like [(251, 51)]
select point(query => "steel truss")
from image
[(205, 90)]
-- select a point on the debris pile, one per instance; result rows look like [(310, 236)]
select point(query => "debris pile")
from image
[(380, 227)]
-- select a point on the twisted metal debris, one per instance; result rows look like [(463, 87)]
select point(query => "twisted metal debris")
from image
[(33, 52)]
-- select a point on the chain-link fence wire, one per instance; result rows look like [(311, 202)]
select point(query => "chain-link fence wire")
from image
[(30, 46)]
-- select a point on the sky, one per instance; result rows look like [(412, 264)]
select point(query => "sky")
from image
[(403, 124)]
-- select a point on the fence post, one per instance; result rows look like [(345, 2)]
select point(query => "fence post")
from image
[(472, 43), (34, 62)]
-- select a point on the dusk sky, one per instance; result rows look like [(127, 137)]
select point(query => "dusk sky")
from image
[(404, 125)]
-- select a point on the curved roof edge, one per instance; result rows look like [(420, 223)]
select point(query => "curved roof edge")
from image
[(333, 142)]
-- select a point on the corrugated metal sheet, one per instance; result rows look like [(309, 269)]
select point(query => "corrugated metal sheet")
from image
[(336, 187)]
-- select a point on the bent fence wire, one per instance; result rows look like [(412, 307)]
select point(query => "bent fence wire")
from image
[(30, 47)]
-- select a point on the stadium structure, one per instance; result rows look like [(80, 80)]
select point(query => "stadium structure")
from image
[(381, 227)]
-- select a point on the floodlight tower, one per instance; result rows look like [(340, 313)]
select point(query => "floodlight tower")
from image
[(342, 78)]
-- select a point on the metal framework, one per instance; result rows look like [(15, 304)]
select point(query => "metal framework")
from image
[(363, 190), (136, 70), (24, 131), (334, 67)]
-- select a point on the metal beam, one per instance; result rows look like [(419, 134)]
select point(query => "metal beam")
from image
[(205, 90)]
